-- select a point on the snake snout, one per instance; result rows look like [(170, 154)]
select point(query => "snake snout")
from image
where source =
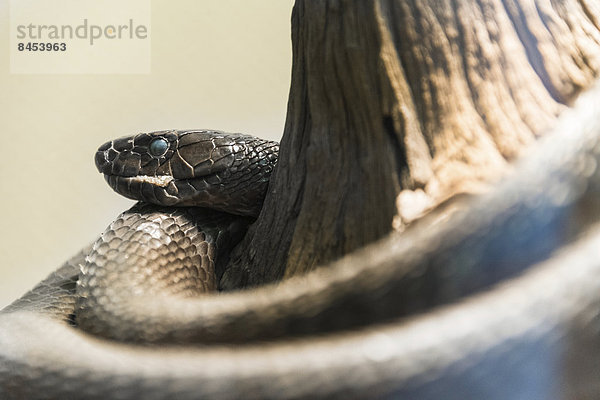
[(102, 158), (116, 158)]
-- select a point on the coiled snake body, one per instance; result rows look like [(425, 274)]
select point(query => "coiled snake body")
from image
[(501, 301)]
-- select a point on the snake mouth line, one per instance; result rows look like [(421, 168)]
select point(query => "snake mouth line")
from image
[(161, 190), (161, 181)]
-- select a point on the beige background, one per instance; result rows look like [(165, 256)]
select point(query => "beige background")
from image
[(221, 64)]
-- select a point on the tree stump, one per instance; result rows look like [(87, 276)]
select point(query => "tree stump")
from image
[(396, 106)]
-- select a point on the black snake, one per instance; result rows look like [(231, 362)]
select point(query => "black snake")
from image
[(499, 302)]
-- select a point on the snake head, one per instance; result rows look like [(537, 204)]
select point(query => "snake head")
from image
[(227, 172)]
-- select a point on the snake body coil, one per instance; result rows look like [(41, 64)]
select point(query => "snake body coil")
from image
[(154, 259), (500, 301)]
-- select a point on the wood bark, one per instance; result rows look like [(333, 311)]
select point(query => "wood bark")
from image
[(398, 105)]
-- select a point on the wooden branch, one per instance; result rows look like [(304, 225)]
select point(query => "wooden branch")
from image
[(396, 103)]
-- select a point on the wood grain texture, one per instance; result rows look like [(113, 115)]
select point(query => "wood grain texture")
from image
[(396, 106)]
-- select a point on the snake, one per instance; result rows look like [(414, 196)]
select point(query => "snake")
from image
[(500, 301)]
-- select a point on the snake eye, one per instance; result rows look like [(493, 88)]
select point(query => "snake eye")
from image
[(158, 147)]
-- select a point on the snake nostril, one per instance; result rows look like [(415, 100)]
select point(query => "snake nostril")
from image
[(110, 154)]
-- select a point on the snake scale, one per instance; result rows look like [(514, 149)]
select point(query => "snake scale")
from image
[(500, 301)]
